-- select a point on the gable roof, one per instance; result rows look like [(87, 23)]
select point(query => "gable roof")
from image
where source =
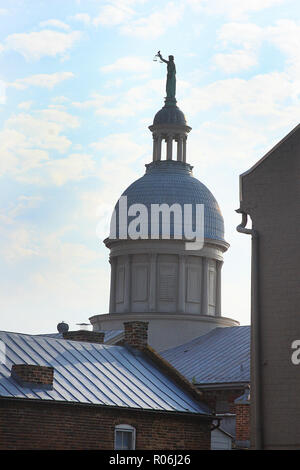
[(220, 356), (93, 374), (267, 155)]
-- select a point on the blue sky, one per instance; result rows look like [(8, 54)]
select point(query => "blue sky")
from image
[(78, 90)]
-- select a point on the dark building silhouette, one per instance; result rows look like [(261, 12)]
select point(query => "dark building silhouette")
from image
[(270, 195)]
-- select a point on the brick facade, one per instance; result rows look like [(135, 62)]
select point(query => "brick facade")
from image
[(33, 424)]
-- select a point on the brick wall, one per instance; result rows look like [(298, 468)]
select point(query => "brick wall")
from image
[(222, 401), (242, 422), (35, 424)]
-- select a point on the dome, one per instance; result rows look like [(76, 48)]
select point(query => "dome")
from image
[(172, 182), (170, 115)]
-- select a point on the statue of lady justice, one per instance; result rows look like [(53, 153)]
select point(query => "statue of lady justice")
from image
[(171, 77)]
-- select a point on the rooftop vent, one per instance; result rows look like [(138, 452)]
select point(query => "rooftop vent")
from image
[(62, 327)]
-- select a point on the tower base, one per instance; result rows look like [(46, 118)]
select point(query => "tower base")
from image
[(165, 330)]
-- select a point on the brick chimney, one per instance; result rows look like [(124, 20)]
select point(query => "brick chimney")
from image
[(242, 411), (136, 334), (85, 336), (33, 375)]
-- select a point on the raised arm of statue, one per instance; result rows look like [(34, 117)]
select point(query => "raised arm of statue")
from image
[(161, 57)]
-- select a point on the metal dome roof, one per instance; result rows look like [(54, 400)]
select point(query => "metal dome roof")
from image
[(172, 182), (170, 115)]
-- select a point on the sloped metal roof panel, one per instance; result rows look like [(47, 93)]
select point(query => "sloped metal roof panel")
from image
[(93, 373), (220, 356), (109, 335)]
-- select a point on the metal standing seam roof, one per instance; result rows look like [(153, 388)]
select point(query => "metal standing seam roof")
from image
[(109, 335), (94, 374), (220, 356)]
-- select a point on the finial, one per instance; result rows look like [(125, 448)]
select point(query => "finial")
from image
[(170, 99)]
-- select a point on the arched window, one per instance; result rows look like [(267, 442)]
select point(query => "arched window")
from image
[(124, 437)]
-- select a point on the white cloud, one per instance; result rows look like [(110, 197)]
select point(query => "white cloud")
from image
[(111, 15), (234, 9), (9, 214), (113, 151), (67, 278), (82, 17), (28, 146), (128, 64), (55, 23), (219, 142), (59, 117), (17, 244), (235, 61), (41, 133), (156, 24), (247, 35), (96, 101), (17, 152), (260, 95), (26, 140), (122, 13), (284, 35), (25, 105), (57, 172), (2, 92), (119, 144), (44, 80), (60, 99), (35, 45), (116, 12), (123, 105), (23, 204)]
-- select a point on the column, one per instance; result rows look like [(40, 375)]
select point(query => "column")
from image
[(154, 147), (184, 149), (127, 292), (112, 299), (181, 284), (204, 306), (218, 289), (179, 148), (169, 147), (158, 148), (152, 283)]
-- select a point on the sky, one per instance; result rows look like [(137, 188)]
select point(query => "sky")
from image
[(78, 90)]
